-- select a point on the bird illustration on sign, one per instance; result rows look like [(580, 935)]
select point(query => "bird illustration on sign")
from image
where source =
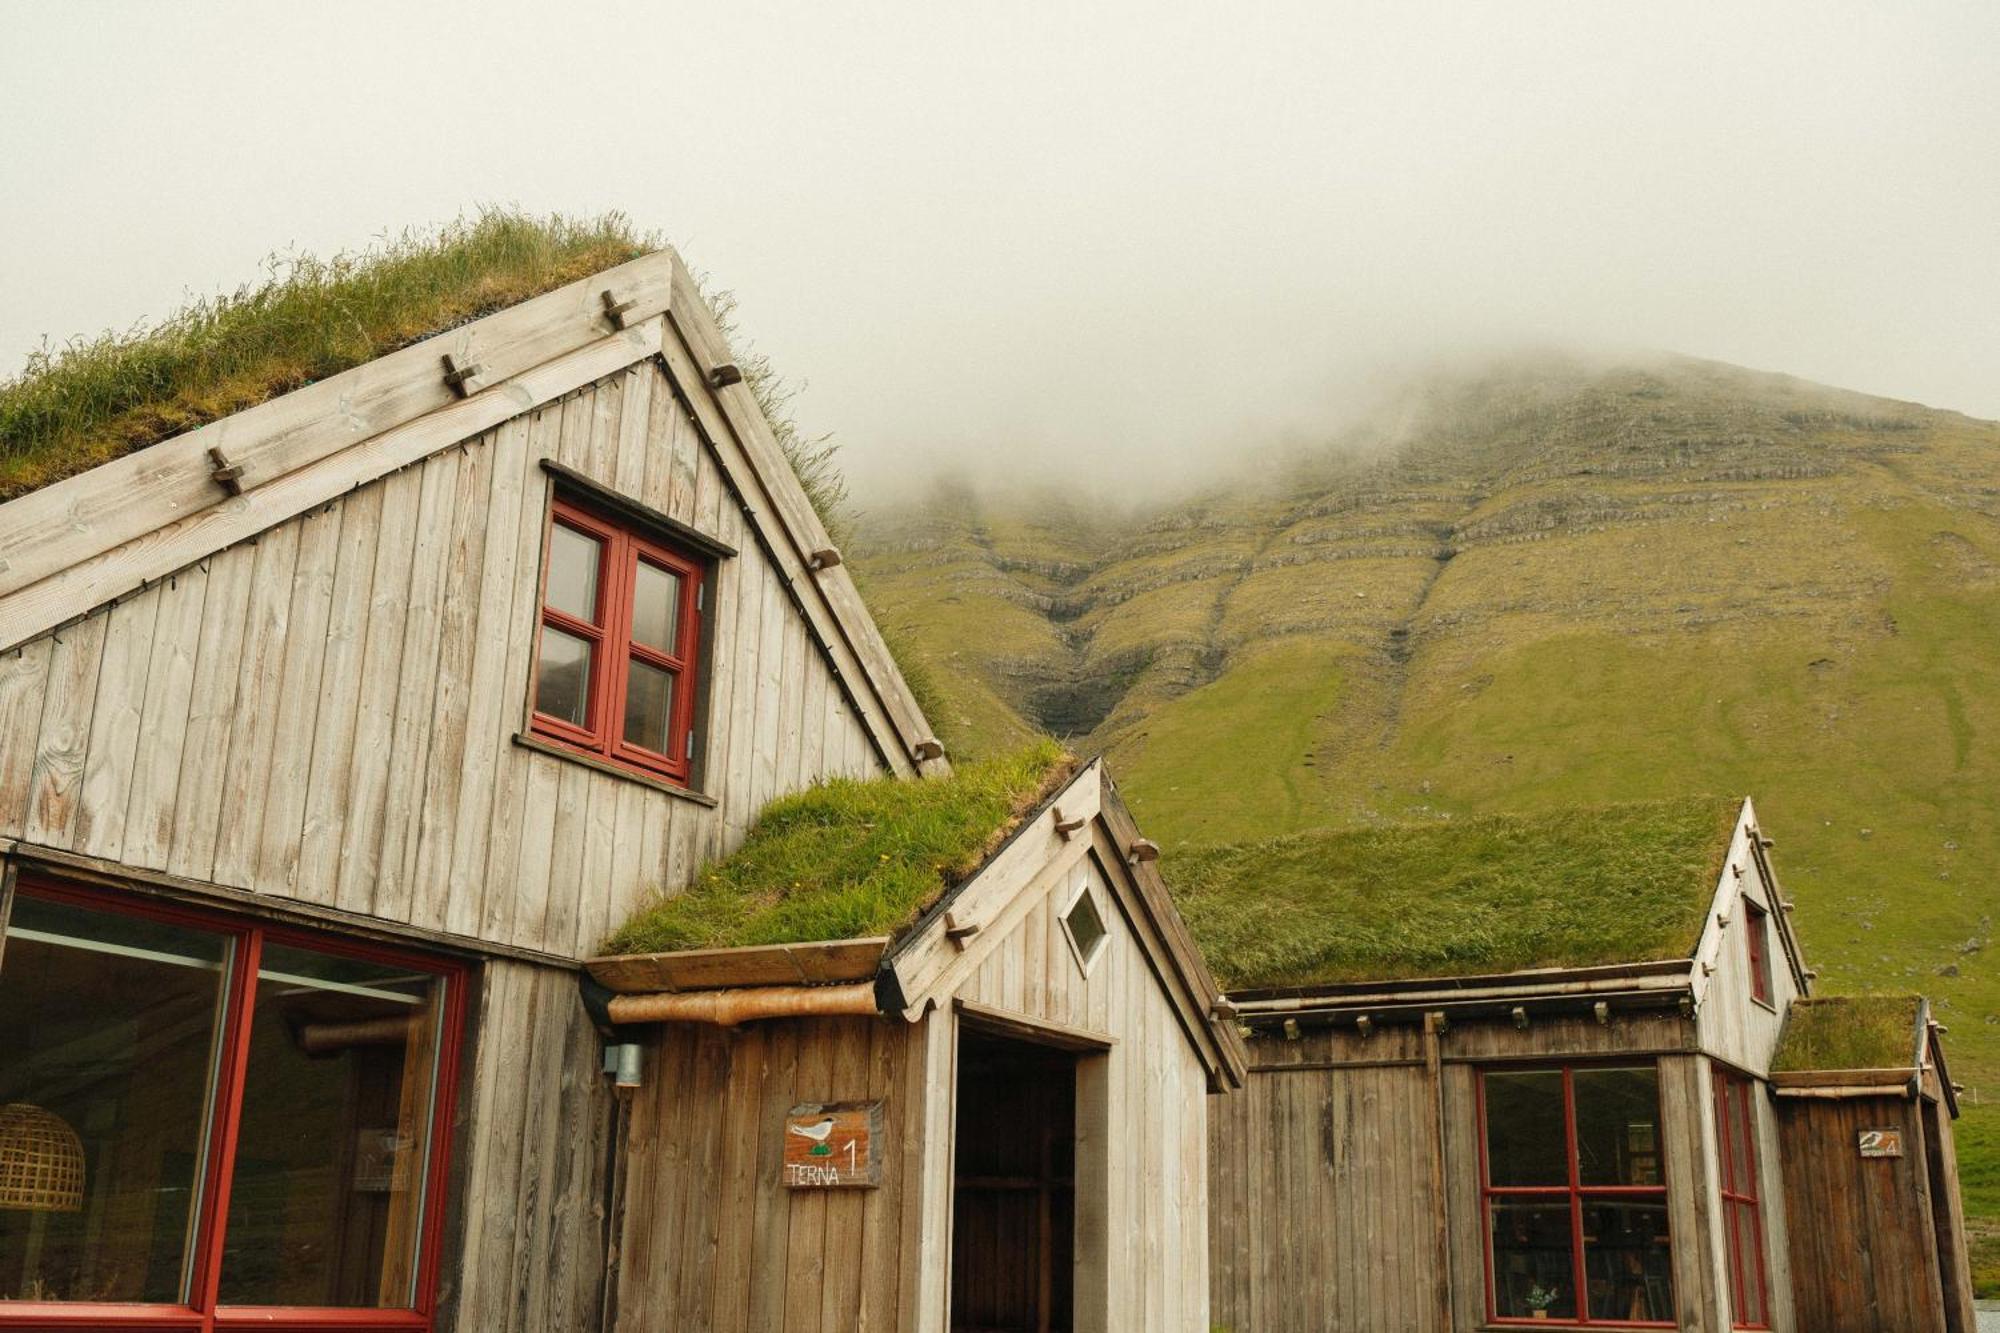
[(818, 1133)]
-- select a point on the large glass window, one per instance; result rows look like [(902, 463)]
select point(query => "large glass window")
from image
[(206, 1116), (1576, 1200), (1742, 1210), (619, 640)]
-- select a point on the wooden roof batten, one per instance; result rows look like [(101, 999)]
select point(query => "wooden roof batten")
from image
[(89, 540)]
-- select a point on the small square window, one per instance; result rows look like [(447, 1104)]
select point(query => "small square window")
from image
[(620, 643), (1085, 928)]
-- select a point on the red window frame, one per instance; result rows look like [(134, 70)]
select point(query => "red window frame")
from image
[(202, 1314), (613, 649), (1742, 1197), (1757, 937), (1576, 1192)]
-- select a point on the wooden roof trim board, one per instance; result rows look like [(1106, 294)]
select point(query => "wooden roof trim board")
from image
[(694, 343), (88, 540), (69, 521), (818, 963), (183, 534)]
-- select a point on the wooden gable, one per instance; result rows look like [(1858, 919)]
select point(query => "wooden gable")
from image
[(315, 689)]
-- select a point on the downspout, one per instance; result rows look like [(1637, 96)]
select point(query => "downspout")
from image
[(734, 1005)]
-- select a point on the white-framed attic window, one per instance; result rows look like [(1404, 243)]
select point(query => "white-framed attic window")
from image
[(1084, 928)]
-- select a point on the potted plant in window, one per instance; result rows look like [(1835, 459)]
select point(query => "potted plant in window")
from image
[(1539, 1299)]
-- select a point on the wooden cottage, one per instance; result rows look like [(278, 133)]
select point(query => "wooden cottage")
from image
[(1864, 1105), (993, 1116), (1519, 1072), (333, 736)]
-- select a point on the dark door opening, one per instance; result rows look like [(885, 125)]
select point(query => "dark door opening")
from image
[(1013, 1238)]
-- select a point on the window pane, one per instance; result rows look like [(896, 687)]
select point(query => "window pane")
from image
[(1086, 926), (1626, 1259), (1742, 1151), (1526, 1143), (1618, 1126), (108, 1034), (656, 608), (1533, 1259), (335, 1126), (562, 686), (573, 561), (649, 706), (1746, 1275)]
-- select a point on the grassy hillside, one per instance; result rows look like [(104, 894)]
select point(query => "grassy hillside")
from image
[(1544, 585)]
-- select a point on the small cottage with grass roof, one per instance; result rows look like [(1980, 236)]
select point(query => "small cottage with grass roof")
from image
[(1864, 1105), (923, 1056), (1511, 1070)]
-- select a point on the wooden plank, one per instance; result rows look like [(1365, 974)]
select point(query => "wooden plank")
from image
[(497, 905), (1020, 1026), (199, 794), (750, 965), (416, 686), (174, 541), (700, 342), (771, 1220), (330, 774), (164, 720), (603, 901), (566, 887), (253, 733), (298, 699), (24, 675), (491, 703), (451, 697), (112, 750), (70, 521), (735, 1269), (882, 1210), (536, 834), (367, 778), (825, 617)]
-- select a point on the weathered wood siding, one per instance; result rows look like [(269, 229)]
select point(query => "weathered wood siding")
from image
[(326, 713), (1322, 1183), (1146, 1100), (713, 1240), (1321, 1179), (525, 1239), (1864, 1246), (1734, 1027)]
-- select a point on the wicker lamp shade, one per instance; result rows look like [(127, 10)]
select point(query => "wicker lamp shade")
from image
[(41, 1161)]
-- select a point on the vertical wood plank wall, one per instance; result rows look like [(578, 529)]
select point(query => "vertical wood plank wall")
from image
[(326, 713), (1869, 1260), (1320, 1175), (1156, 1209), (713, 1240)]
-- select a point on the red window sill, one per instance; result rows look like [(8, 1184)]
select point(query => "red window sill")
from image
[(548, 745)]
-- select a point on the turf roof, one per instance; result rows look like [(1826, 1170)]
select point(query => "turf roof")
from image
[(848, 859), (1849, 1032), (1485, 895)]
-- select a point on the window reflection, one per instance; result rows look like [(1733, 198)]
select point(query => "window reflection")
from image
[(111, 1026), (328, 1185)]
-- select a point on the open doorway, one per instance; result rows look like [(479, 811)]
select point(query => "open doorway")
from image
[(1013, 1244)]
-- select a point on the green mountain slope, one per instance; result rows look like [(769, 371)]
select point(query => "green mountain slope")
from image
[(1547, 584)]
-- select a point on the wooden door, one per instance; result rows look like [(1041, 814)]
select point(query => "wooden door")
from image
[(1013, 1188)]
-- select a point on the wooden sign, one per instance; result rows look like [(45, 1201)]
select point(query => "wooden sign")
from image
[(834, 1145), (1881, 1143)]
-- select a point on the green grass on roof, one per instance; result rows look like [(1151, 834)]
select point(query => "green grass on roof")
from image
[(1492, 894), (849, 859), (1849, 1032), (90, 400)]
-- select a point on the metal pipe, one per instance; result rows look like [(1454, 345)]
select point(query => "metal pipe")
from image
[(746, 1004)]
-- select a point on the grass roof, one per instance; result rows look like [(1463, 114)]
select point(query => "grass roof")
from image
[(1849, 1032), (1492, 894), (92, 399), (848, 859)]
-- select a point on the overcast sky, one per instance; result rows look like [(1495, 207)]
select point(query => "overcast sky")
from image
[(1070, 236)]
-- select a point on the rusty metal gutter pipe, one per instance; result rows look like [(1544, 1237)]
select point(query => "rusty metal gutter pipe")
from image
[(734, 1005)]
